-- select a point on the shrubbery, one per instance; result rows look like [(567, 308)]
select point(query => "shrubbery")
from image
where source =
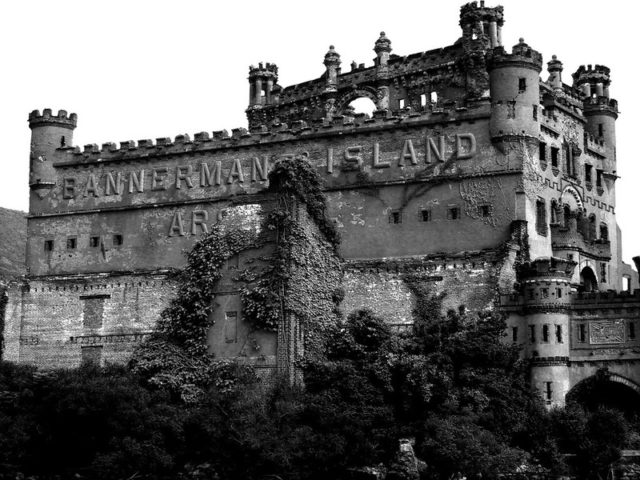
[(451, 385)]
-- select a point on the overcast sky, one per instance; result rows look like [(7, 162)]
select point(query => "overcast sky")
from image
[(145, 69)]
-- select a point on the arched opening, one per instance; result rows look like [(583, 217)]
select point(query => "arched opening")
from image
[(566, 214), (362, 105), (588, 280), (592, 227), (606, 390)]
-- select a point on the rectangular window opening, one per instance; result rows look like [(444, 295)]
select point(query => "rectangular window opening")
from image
[(541, 217), (426, 215), (72, 243), (545, 333), (558, 333), (632, 331), (395, 217), (453, 213), (600, 130), (94, 242), (484, 210), (582, 333), (117, 240), (542, 151), (514, 334), (402, 103), (423, 99), (532, 333), (535, 112), (554, 156), (548, 390), (522, 85), (48, 245)]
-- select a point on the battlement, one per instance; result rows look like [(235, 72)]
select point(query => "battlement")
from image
[(240, 137), (521, 55), (264, 70), (547, 267), (471, 12), (62, 119), (591, 74), (577, 299)]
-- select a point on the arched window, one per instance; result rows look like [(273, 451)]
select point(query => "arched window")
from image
[(566, 214), (592, 227), (363, 105), (554, 212), (588, 280)]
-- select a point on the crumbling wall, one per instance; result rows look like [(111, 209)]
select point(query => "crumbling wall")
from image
[(51, 322)]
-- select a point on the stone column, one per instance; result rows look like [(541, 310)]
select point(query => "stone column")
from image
[(258, 91), (493, 34)]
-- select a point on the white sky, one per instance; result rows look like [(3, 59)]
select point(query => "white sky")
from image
[(145, 69)]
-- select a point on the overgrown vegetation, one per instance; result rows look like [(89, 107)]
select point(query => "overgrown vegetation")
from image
[(297, 279), (451, 385)]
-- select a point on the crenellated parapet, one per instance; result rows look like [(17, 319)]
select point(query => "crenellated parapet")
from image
[(276, 132), (522, 56), (47, 118)]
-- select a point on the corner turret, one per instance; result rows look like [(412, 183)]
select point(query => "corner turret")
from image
[(515, 93), (600, 110), (49, 134), (546, 287)]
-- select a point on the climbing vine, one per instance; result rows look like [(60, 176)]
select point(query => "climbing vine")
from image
[(298, 278)]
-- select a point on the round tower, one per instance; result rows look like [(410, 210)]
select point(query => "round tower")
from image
[(49, 134), (600, 110), (515, 93), (546, 287), (262, 80)]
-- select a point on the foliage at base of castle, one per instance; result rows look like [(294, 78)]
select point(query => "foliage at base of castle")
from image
[(452, 390)]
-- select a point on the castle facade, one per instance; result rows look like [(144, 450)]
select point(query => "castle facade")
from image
[(488, 182)]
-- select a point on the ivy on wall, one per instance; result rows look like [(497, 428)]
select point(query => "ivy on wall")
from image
[(300, 279)]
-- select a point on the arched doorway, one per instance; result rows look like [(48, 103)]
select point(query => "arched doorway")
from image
[(588, 280), (609, 390)]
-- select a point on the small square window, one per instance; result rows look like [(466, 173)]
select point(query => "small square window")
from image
[(117, 240), (426, 215), (484, 210), (72, 243), (453, 213), (94, 242), (395, 217), (48, 245)]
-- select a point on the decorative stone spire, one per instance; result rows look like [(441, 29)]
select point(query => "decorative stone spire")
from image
[(332, 62), (554, 67), (382, 49)]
